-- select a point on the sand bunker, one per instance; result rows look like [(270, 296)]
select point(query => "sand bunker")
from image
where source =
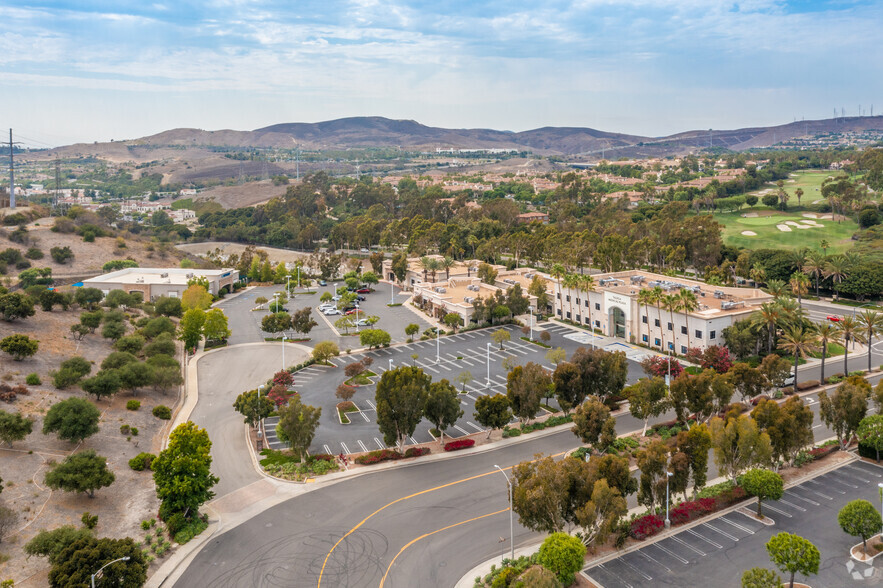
[(749, 215), (749, 233), (810, 215), (792, 223), (812, 223), (784, 228)]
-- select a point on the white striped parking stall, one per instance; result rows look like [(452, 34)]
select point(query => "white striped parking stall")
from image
[(687, 545), (345, 448), (724, 533), (704, 538), (362, 445), (654, 560), (774, 509), (379, 444)]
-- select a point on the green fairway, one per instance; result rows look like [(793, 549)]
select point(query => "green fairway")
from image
[(770, 236), (811, 184)]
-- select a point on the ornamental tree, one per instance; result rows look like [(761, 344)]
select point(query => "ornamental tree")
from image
[(492, 412), (215, 327), (254, 406), (525, 387), (870, 432), (442, 406), (593, 424), (19, 346), (302, 320), (762, 484), (738, 445), (844, 411), (789, 426), (325, 350), (104, 383), (182, 472), (297, 425), (15, 306), (190, 328), (792, 554), (75, 563), (859, 518), (647, 399), (761, 578), (563, 555), (567, 381), (400, 398), (85, 471), (283, 378)]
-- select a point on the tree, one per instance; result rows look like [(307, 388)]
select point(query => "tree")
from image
[(14, 427), (848, 332), (119, 298), (297, 425), (602, 373), (88, 297), (762, 484), (75, 564), (702, 394), (761, 578), (546, 493), (525, 386), (325, 350), (190, 328), (254, 406), (567, 382), (747, 381), (131, 344), (653, 463), (738, 445), (453, 320), (500, 336), (165, 377), (775, 369), (870, 322), (167, 306), (870, 433), (442, 406), (195, 296), (72, 420), (859, 518), (19, 346), (463, 378), (788, 425), (345, 392), (695, 444), (400, 398), (556, 356), (593, 424), (117, 359), (792, 554), (182, 472), (113, 330), (85, 471), (91, 320), (844, 411), (162, 345), (215, 326), (277, 322), (563, 555), (50, 544), (492, 412), (15, 306), (371, 338), (647, 399), (799, 342), (104, 383), (302, 320), (135, 375), (411, 330)]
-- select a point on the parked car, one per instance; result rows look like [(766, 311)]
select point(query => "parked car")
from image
[(336, 297), (325, 306), (352, 311), (323, 283), (363, 323), (365, 250), (330, 312), (363, 291), (834, 318), (360, 298)]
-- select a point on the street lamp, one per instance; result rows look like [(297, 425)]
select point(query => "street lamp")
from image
[(530, 309), (390, 364), (667, 478), (275, 301), (126, 558), (880, 486), (488, 365), (288, 285), (283, 352), (437, 345), (391, 291), (511, 523)]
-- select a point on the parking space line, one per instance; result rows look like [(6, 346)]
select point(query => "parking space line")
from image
[(345, 448), (364, 416), (856, 477), (863, 471), (608, 572), (687, 545), (825, 496), (414, 441), (774, 509), (654, 560), (671, 553), (379, 444), (634, 569), (371, 404), (327, 449), (798, 497), (469, 335), (362, 445), (706, 539), (724, 533), (461, 429), (737, 525), (829, 487), (792, 505), (474, 426)]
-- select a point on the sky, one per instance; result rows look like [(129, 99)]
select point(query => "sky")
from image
[(96, 70)]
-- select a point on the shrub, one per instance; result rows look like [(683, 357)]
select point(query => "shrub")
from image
[(563, 555), (125, 429), (141, 461), (646, 526), (33, 380), (687, 511), (191, 530), (459, 444), (162, 411), (377, 456), (89, 520), (807, 385), (133, 405), (416, 451)]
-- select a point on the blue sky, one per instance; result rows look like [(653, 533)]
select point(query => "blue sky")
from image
[(99, 70)]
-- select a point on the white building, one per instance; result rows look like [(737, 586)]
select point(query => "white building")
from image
[(154, 282)]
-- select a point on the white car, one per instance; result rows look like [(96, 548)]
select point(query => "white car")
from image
[(330, 312), (336, 297), (363, 323), (365, 250), (326, 306)]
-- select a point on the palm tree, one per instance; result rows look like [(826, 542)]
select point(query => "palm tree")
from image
[(656, 297), (425, 263), (799, 341), (815, 266), (556, 272), (826, 332), (837, 269), (768, 315), (671, 303), (871, 324), (792, 313), (434, 266), (799, 285), (645, 299), (778, 288), (587, 284), (447, 263), (687, 304), (799, 256), (824, 245), (847, 330), (571, 282), (758, 274)]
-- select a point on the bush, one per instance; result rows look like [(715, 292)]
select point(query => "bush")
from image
[(162, 411), (416, 451), (807, 385), (89, 520), (34, 253), (377, 456), (61, 254), (459, 444), (563, 555), (141, 461), (133, 405), (646, 526), (125, 429), (191, 530), (687, 511), (33, 380)]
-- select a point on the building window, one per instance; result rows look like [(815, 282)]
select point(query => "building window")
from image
[(683, 349), (588, 322), (568, 298), (587, 302), (644, 319), (559, 312), (671, 327), (598, 324), (655, 322), (698, 334), (683, 330), (558, 295), (671, 346), (577, 301), (579, 319), (568, 315), (597, 306), (656, 342), (712, 334), (644, 338)]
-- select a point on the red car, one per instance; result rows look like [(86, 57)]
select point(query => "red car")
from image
[(353, 311), (363, 291), (834, 318)]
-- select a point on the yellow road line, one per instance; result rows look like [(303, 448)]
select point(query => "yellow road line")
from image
[(428, 490), (413, 541)]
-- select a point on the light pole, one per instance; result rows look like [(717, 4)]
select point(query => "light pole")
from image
[(667, 478), (530, 309), (437, 345), (488, 365), (390, 364), (126, 558), (511, 521), (275, 301), (668, 377), (288, 285), (880, 486), (283, 353), (298, 276), (391, 291)]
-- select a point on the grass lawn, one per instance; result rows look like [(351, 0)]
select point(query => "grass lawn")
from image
[(768, 235), (809, 181)]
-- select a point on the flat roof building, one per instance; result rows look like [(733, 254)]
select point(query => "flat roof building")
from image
[(154, 282)]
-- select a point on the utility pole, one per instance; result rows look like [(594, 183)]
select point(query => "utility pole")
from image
[(57, 180), (11, 175)]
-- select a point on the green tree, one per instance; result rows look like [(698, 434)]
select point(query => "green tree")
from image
[(500, 336), (119, 298), (197, 297), (50, 544), (117, 359), (131, 344), (602, 373), (70, 372), (442, 407), (276, 322), (653, 463), (788, 425), (302, 321), (525, 386), (72, 420), (15, 306), (400, 398), (695, 443), (411, 330), (747, 381), (761, 578), (88, 297), (165, 377), (563, 555), (85, 471), (14, 427), (167, 306), (19, 346), (567, 381), (113, 330), (738, 445), (135, 375), (182, 472), (762, 484), (647, 399), (870, 323), (325, 350), (92, 320), (556, 356), (844, 411), (593, 424), (297, 425), (215, 327), (799, 341), (453, 320), (870, 432), (158, 326), (859, 518), (371, 338), (793, 554), (463, 378), (104, 383), (190, 328), (254, 406), (492, 412), (164, 344), (80, 559)]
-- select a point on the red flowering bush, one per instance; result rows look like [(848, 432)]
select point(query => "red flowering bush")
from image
[(459, 444), (657, 366), (377, 456), (687, 511), (817, 452), (646, 526), (730, 496), (283, 378), (279, 395), (416, 451), (715, 358), (323, 457)]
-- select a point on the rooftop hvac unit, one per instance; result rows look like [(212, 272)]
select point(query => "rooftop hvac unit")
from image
[(726, 305), (508, 281), (190, 275), (164, 275), (529, 275), (440, 290), (604, 281), (652, 284), (719, 294), (636, 279), (468, 299)]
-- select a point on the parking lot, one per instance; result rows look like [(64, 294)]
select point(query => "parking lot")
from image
[(446, 357), (723, 547)]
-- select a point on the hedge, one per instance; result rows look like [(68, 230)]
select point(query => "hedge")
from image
[(646, 526), (141, 461), (807, 385), (162, 411), (377, 456), (459, 444), (416, 451)]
